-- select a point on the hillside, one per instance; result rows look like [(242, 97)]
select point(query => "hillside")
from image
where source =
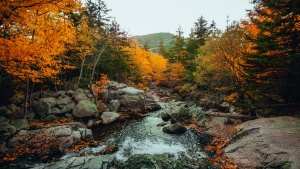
[(154, 39)]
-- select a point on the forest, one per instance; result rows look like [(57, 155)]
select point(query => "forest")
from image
[(68, 71), (254, 63)]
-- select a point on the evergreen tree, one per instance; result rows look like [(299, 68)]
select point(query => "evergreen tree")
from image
[(202, 30), (273, 71), (162, 48), (146, 46), (178, 51)]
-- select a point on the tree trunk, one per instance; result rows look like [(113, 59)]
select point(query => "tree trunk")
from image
[(80, 74), (229, 115)]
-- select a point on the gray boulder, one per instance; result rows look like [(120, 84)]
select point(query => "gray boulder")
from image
[(175, 128), (19, 124), (63, 102), (132, 100), (84, 108), (198, 116), (79, 95), (109, 117), (43, 109), (267, 143), (180, 113), (114, 105)]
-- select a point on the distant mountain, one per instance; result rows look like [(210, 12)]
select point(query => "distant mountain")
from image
[(154, 39)]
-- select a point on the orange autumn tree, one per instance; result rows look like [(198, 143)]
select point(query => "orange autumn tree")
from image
[(159, 66), (145, 66), (33, 35)]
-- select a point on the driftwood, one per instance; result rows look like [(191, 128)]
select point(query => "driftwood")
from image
[(229, 115)]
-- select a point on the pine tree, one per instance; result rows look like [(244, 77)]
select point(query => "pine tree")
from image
[(273, 71), (162, 48)]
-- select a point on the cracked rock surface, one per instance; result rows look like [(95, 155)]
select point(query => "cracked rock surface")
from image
[(267, 143)]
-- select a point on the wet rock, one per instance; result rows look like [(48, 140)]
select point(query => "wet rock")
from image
[(175, 128), (267, 143), (114, 105), (109, 117), (84, 108), (87, 162), (165, 116), (180, 113), (162, 124), (151, 104), (19, 124)]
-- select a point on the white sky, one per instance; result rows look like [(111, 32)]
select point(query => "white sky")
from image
[(140, 17)]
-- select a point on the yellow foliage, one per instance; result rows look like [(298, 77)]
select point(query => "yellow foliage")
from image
[(33, 36)]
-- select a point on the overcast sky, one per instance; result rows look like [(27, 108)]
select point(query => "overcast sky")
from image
[(140, 17)]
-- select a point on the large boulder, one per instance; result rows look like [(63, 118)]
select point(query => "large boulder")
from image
[(132, 100), (79, 95), (84, 108), (63, 101), (43, 109), (151, 104), (198, 116), (109, 117), (175, 128), (114, 105), (267, 143), (180, 113), (19, 124)]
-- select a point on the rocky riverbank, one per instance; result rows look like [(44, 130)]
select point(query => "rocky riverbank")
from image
[(70, 121)]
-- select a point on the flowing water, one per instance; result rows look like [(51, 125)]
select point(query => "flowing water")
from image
[(141, 144)]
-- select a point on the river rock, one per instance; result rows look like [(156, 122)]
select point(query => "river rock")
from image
[(175, 128), (19, 124), (151, 104), (180, 113), (86, 162), (165, 116), (114, 105), (198, 116), (132, 100), (109, 117), (79, 95), (84, 108), (267, 143)]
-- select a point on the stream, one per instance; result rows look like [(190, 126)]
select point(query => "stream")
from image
[(141, 144)]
